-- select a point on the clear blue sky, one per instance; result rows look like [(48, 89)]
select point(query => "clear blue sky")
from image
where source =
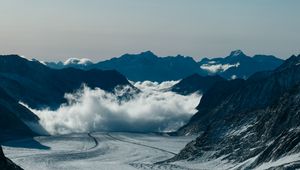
[(100, 29)]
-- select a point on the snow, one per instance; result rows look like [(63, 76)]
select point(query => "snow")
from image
[(239, 130), (233, 77), (22, 56), (112, 151), (280, 162), (116, 150), (207, 164), (42, 62)]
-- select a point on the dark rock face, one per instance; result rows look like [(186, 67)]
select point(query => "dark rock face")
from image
[(195, 83), (143, 66), (242, 119), (12, 118), (239, 65), (6, 164), (210, 100)]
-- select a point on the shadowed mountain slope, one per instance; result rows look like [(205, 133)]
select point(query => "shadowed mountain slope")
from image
[(242, 119), (39, 86), (7, 164), (195, 83)]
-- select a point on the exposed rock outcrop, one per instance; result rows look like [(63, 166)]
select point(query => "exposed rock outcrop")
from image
[(7, 164)]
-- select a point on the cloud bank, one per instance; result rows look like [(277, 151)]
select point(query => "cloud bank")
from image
[(154, 109)]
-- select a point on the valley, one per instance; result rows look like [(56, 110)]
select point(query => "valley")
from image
[(149, 85), (99, 150)]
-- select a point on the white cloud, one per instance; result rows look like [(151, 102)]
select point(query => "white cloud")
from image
[(154, 109), (83, 61), (218, 67), (154, 86)]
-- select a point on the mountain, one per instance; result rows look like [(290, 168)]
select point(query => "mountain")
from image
[(13, 118), (239, 65), (148, 66), (195, 83), (7, 164), (249, 123), (71, 62), (39, 86), (145, 66)]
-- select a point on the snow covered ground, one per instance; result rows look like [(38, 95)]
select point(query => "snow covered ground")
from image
[(123, 151), (96, 151)]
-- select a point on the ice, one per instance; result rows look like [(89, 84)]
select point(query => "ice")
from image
[(125, 151), (109, 151)]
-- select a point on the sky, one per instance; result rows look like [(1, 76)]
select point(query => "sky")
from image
[(52, 30)]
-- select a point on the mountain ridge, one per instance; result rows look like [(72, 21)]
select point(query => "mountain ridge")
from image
[(138, 67), (196, 83), (38, 86), (242, 119)]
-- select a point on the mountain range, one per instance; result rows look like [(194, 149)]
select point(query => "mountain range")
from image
[(148, 66), (248, 122), (34, 83), (239, 65), (248, 115), (39, 86)]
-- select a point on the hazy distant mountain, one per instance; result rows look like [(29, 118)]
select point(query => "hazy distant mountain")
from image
[(196, 83), (252, 121), (83, 63), (40, 86), (148, 66), (239, 65), (143, 66)]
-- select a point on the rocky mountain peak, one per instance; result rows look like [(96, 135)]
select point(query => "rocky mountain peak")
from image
[(290, 62), (236, 53), (148, 54)]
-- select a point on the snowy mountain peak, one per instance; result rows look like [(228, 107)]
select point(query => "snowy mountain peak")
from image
[(76, 61)]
